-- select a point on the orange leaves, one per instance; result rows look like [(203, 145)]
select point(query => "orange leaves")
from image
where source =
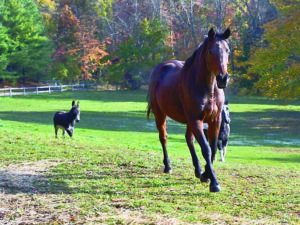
[(68, 19), (77, 38)]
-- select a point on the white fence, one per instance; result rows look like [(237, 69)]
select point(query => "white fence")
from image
[(44, 89)]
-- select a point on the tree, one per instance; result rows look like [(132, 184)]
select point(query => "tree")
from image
[(136, 57), (277, 62), (4, 44), (79, 52), (29, 48)]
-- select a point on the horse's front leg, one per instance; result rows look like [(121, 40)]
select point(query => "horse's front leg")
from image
[(189, 137), (197, 128), (213, 134)]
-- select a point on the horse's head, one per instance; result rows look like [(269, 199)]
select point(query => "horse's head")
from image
[(217, 56), (75, 111)]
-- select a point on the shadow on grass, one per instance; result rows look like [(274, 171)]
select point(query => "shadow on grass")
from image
[(259, 100), (275, 127), (98, 183), (135, 121), (292, 158)]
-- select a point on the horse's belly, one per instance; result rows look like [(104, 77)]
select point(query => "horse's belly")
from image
[(169, 102)]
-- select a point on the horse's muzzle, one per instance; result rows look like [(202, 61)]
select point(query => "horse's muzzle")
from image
[(222, 80)]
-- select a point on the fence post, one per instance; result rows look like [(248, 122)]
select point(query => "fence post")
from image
[(10, 92), (24, 91), (60, 88), (37, 90), (49, 89)]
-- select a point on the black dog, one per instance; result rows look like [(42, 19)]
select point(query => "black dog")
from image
[(66, 120), (224, 131)]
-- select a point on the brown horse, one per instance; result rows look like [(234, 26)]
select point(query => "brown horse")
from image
[(191, 93)]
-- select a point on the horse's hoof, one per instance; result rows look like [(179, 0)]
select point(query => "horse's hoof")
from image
[(168, 171), (197, 174), (203, 178), (215, 188)]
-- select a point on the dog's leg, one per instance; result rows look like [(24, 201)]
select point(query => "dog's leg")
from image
[(56, 130), (220, 147), (225, 144), (70, 132)]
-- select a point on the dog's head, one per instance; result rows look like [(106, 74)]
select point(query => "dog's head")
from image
[(225, 112)]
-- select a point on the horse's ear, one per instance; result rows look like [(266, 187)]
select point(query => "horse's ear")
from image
[(211, 34), (78, 104), (73, 103), (226, 34)]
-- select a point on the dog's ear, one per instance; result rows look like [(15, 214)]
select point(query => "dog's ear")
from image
[(78, 104), (73, 103)]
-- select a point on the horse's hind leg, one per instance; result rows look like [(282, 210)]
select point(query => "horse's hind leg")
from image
[(189, 137), (213, 133), (161, 124)]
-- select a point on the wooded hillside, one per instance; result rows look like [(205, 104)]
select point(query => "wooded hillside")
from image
[(120, 41)]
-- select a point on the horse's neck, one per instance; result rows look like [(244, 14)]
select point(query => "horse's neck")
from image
[(205, 80), (198, 77)]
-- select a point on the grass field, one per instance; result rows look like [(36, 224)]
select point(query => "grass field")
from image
[(109, 172)]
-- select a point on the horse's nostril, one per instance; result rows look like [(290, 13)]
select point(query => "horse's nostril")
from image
[(222, 80)]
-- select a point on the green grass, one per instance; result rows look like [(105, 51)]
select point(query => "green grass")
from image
[(109, 172)]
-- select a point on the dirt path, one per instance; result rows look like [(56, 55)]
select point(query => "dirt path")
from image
[(21, 202)]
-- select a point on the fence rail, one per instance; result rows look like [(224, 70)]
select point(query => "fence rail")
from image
[(44, 89)]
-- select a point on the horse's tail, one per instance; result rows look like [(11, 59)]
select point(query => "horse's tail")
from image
[(148, 110), (154, 79)]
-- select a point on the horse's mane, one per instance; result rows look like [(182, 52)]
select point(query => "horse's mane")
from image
[(189, 62)]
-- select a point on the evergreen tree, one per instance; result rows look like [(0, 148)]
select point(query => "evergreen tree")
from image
[(30, 50), (4, 46)]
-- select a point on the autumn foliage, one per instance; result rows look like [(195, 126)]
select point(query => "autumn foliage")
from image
[(277, 62), (120, 41), (77, 41)]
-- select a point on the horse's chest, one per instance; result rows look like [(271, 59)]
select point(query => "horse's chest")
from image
[(210, 111)]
